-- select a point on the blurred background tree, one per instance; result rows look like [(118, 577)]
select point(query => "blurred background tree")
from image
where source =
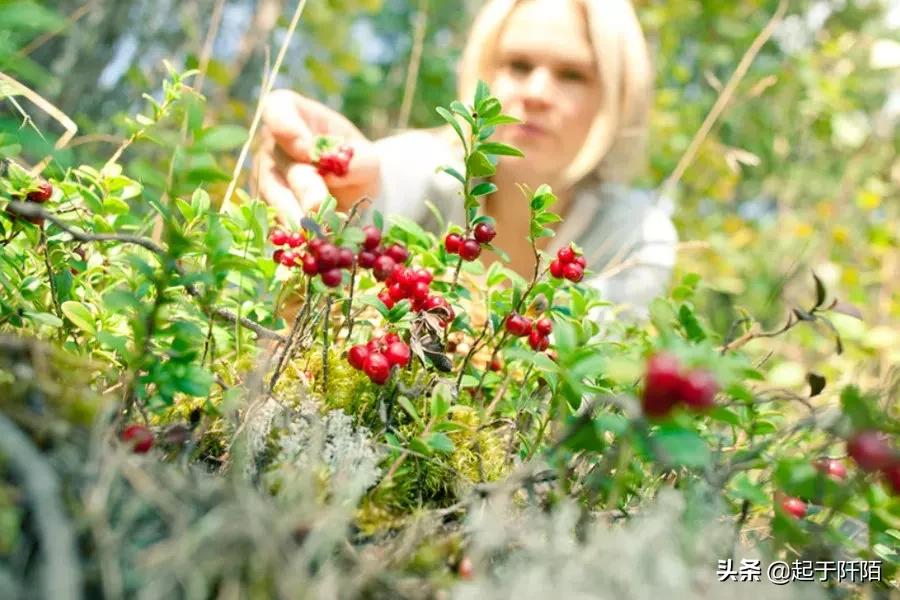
[(800, 173)]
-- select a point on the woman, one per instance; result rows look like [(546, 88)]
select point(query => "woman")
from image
[(577, 73)]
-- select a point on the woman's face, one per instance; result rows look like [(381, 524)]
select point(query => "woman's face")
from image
[(546, 75)]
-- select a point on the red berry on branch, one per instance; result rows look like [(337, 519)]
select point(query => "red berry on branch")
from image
[(398, 252), (391, 337), (544, 326), (537, 341), (831, 467), (496, 364), (327, 257), (345, 258), (573, 272), (332, 277), (138, 437), (377, 367), (276, 256), (278, 237), (289, 258), (42, 194), (580, 261), (424, 276), (366, 259), (383, 267), (466, 569), (794, 507), (386, 299), (470, 249), (453, 242), (662, 384), (398, 354), (557, 268), (310, 266), (698, 390), (373, 237), (315, 244), (518, 325), (405, 278), (484, 233), (296, 239), (565, 255), (892, 475), (871, 451), (420, 291), (396, 292), (357, 356)]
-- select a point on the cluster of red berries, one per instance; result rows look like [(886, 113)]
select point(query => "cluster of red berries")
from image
[(138, 438), (321, 257), (796, 507), (379, 355), (666, 385), (568, 265), (335, 162), (470, 248), (538, 332), (380, 259), (406, 283), (38, 196), (873, 453)]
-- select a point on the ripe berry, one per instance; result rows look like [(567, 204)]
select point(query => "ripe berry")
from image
[(537, 341), (377, 367), (831, 467), (345, 258), (453, 242), (573, 272), (870, 450), (794, 506), (288, 258), (315, 244), (310, 266), (373, 237), (398, 354), (366, 259), (383, 267), (556, 268), (138, 437), (518, 325), (581, 261), (42, 194), (424, 276), (357, 356), (484, 233), (327, 257), (565, 255), (892, 474), (295, 239), (276, 256), (419, 291), (332, 277), (278, 237), (698, 390), (405, 278), (496, 365), (544, 326), (661, 385), (398, 252), (466, 570), (386, 299), (470, 249), (391, 337)]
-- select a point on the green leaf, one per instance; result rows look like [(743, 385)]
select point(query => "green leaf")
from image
[(451, 120), (482, 92), (409, 408), (42, 318), (489, 108), (222, 137), (498, 149), (440, 442), (479, 165), (80, 315), (454, 173), (747, 490), (483, 189), (501, 120), (678, 446), (440, 401), (690, 323)]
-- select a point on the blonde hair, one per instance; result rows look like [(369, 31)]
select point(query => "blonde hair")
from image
[(615, 147)]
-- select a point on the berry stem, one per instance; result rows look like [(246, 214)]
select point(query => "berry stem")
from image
[(325, 345), (54, 294)]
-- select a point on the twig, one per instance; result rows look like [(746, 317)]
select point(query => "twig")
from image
[(54, 294), (325, 345), (415, 61)]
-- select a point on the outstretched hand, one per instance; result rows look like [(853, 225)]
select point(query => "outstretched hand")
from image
[(283, 169)]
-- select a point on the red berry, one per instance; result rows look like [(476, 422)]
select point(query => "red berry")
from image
[(357, 356), (581, 261), (537, 341), (556, 268), (484, 233), (466, 570), (398, 252), (518, 325), (366, 259), (386, 299), (373, 237), (544, 326), (138, 437), (496, 365), (383, 267), (661, 385), (831, 467), (470, 249), (310, 266), (565, 255), (42, 194), (698, 390), (433, 302), (396, 292), (424, 276), (276, 256), (345, 258), (870, 450), (405, 278), (391, 337), (398, 354), (794, 506), (327, 256), (315, 245), (295, 239), (278, 237), (289, 258), (377, 367), (453, 242), (892, 474), (332, 277), (573, 272), (420, 291)]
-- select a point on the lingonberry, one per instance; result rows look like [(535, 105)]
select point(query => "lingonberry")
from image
[(278, 237), (391, 337), (453, 242), (138, 437), (465, 569), (373, 237), (357, 356), (565, 255), (295, 239), (398, 354), (42, 194), (386, 299), (332, 277), (871, 450), (310, 266), (366, 259), (398, 252), (420, 291), (383, 267), (377, 367), (345, 258), (892, 475), (405, 278), (662, 384), (518, 325), (831, 467), (424, 276), (581, 261), (484, 233), (396, 292), (288, 258), (537, 341), (326, 256), (496, 364), (794, 506), (573, 272), (276, 256), (557, 268), (698, 390), (470, 249), (544, 326)]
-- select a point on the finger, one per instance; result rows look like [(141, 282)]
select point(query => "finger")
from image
[(284, 122), (276, 191), (307, 185)]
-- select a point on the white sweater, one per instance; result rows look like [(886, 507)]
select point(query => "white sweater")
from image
[(626, 234)]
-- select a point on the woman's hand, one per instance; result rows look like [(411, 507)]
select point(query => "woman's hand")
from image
[(283, 170)]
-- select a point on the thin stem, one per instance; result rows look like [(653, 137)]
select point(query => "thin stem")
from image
[(326, 320)]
